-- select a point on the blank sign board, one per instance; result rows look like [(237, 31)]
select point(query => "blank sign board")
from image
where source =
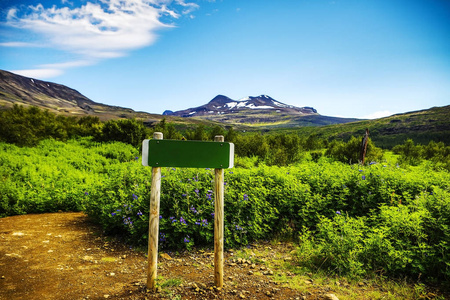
[(187, 154)]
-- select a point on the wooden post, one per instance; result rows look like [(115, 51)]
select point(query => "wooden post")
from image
[(218, 222), (364, 142), (153, 229)]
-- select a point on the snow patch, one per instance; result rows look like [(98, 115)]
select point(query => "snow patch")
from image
[(231, 104), (32, 80), (279, 104), (191, 113), (242, 104)]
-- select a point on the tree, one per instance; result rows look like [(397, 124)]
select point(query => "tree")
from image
[(128, 131)]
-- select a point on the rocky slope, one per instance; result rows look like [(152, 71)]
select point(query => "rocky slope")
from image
[(57, 98)]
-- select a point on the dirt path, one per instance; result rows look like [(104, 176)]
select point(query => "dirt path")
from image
[(64, 256)]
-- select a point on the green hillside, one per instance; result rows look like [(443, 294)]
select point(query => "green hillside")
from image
[(420, 126)]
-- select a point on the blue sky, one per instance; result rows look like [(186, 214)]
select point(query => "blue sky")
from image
[(363, 59)]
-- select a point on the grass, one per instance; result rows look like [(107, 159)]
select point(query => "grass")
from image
[(290, 275)]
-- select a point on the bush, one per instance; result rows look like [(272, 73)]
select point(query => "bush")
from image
[(127, 131), (350, 152)]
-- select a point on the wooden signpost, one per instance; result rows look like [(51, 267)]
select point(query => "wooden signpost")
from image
[(159, 153)]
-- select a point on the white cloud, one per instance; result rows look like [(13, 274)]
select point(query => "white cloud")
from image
[(39, 73), (19, 44), (100, 30), (378, 114), (69, 64)]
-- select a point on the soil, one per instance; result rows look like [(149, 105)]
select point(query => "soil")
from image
[(64, 256)]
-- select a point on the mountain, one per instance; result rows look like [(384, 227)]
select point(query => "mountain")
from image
[(223, 105), (16, 89), (261, 111)]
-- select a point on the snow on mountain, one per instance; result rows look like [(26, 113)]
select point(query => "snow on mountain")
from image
[(223, 105)]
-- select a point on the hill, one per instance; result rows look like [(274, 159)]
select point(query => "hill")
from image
[(421, 126), (60, 99)]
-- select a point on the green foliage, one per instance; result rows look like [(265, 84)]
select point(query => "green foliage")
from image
[(124, 130), (436, 153), (350, 152), (53, 175), (396, 241), (28, 126)]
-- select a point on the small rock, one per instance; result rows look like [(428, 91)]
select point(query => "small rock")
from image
[(165, 256), (106, 296), (330, 297), (250, 273), (242, 296), (308, 281), (3, 277), (112, 274)]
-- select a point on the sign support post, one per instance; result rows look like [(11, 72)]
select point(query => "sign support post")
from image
[(153, 228), (159, 153), (218, 222)]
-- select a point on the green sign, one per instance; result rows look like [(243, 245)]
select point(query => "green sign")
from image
[(187, 154)]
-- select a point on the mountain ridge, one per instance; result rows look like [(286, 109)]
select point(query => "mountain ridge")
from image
[(222, 104), (260, 112)]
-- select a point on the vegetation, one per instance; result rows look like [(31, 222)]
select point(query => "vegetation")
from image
[(389, 217)]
